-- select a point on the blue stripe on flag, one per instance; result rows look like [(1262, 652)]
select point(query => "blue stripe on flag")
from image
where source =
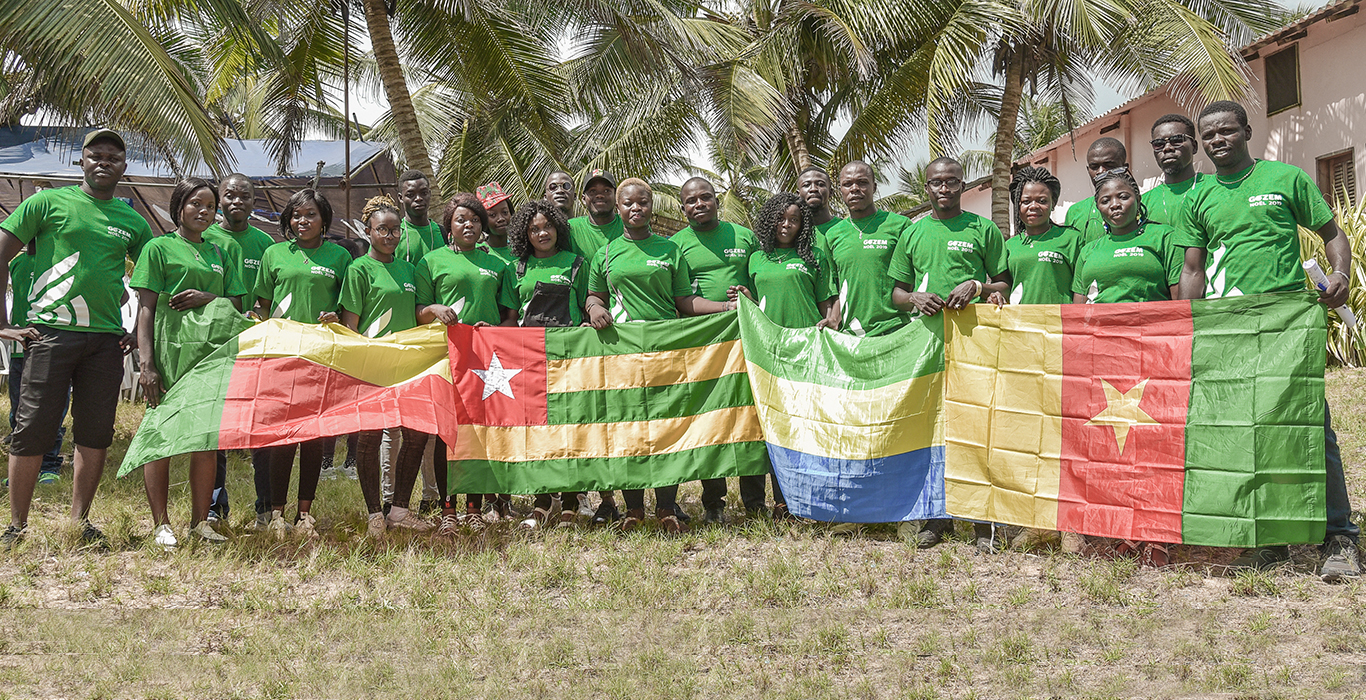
[(907, 486)]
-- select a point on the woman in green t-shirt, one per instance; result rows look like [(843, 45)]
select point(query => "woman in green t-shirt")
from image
[(379, 294), (300, 279), (176, 273), (463, 283), (644, 278), (1041, 257), (552, 286)]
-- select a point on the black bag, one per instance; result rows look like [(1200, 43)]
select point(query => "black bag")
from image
[(549, 306)]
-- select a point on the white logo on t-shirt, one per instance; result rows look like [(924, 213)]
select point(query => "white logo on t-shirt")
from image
[(1266, 200), (323, 270), (1133, 252), (120, 234), (664, 264), (1052, 256), (960, 247)]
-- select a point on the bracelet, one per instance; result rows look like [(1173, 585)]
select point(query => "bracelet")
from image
[(979, 284), (1346, 278)]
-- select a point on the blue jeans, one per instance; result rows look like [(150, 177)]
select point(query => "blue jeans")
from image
[(1339, 507), (260, 465), (52, 461)]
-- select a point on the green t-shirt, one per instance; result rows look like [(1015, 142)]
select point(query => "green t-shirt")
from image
[(937, 255), (788, 289), (640, 277), (503, 253), (301, 283), (1042, 267), (555, 269), (1249, 228), (717, 259), (1138, 266), (820, 234), (170, 265), (1165, 202), (21, 283), (384, 295), (79, 263), (253, 243), (862, 252), (1085, 218), (416, 241), (586, 237), (475, 283)]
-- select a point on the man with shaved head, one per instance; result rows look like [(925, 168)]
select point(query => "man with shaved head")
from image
[(559, 190), (861, 248), (1104, 155)]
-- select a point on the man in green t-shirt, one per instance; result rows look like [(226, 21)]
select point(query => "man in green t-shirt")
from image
[(861, 248), (1246, 219), (1174, 144), (421, 235), (813, 185), (83, 238), (236, 199), (588, 234), (717, 253), (1104, 155), (559, 190)]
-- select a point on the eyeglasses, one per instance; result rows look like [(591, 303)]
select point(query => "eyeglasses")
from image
[(1121, 170), (566, 186), (952, 183), (1175, 140)]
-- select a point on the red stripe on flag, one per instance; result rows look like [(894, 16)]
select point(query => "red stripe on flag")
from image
[(508, 392), (284, 400), (1142, 352)]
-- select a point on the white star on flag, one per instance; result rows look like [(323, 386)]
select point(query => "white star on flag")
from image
[(496, 378)]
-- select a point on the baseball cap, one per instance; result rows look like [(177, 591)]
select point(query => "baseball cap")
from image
[(599, 174), (103, 134), (491, 195)]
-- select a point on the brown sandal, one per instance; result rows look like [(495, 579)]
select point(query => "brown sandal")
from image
[(670, 522), (632, 520), (1155, 555)]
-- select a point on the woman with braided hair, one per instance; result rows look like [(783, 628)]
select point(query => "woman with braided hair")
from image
[(379, 297), (790, 275), (1041, 256)]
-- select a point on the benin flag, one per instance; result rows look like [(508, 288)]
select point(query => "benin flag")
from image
[(1197, 422), (853, 424), (281, 382), (635, 405)]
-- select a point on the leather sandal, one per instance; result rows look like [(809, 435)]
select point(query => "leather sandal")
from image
[(670, 522), (632, 520), (1156, 555)]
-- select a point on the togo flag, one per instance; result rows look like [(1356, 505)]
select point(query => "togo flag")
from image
[(634, 405), (853, 424), (280, 382), (1197, 422)]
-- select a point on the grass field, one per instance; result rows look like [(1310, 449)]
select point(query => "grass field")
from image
[(745, 611)]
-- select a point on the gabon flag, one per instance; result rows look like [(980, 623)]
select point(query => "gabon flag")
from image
[(1198, 422)]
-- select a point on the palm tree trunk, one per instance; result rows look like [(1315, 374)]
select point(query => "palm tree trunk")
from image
[(1003, 155), (396, 90), (796, 144)]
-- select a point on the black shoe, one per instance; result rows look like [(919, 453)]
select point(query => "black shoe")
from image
[(1262, 558), (606, 513), (387, 505), (682, 515), (13, 535), (756, 513), (932, 533), (715, 516), (92, 537), (426, 507)]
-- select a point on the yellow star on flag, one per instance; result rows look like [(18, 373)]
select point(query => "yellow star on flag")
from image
[(1122, 411)]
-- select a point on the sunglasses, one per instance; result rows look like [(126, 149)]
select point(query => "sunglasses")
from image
[(1112, 172), (1175, 140)]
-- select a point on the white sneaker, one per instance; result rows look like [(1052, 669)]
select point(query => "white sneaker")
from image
[(375, 526), (278, 525), (262, 522), (163, 536), (304, 526), (410, 521), (585, 508), (207, 533)]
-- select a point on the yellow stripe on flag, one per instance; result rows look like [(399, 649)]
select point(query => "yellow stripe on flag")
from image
[(848, 423), (664, 368), (386, 361), (596, 440), (1002, 402)]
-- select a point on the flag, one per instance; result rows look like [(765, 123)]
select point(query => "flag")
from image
[(635, 405), (852, 423), (1198, 422), (280, 382)]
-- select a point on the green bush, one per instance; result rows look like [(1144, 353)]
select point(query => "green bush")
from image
[(1345, 345)]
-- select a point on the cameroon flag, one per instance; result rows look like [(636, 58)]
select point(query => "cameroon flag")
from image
[(1199, 422), (635, 405)]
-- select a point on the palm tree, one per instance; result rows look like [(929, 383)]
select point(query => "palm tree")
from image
[(377, 14)]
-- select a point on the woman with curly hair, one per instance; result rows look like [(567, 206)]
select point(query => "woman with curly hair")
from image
[(1042, 255), (464, 283), (791, 276), (552, 287)]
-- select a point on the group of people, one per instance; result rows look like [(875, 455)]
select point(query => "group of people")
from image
[(487, 262)]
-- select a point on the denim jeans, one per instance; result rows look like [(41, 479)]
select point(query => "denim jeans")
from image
[(1339, 507)]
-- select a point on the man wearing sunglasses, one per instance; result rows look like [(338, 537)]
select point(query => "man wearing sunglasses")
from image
[(1104, 155), (1174, 145)]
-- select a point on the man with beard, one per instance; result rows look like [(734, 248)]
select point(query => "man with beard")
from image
[(1174, 145)]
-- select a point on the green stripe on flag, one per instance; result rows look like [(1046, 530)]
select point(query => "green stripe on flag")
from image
[(840, 360), (713, 461), (1254, 431), (649, 403), (630, 338)]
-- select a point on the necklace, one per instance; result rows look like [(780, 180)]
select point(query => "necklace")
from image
[(1245, 175), (190, 245), (863, 231)]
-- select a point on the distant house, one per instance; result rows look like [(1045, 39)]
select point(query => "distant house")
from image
[(1310, 77)]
